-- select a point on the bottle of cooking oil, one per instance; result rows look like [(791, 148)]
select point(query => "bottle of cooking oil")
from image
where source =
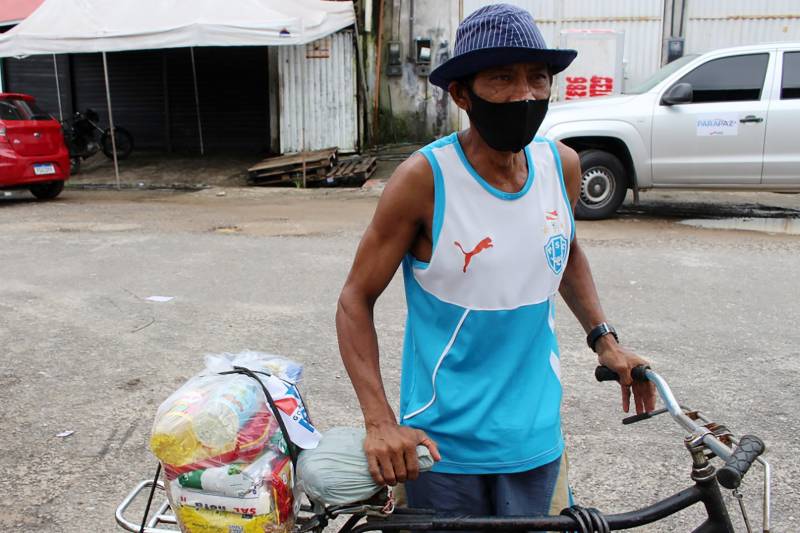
[(173, 439)]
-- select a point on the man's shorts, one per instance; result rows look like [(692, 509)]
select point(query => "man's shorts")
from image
[(543, 490)]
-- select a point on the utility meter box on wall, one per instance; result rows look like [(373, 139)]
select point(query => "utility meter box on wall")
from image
[(422, 56)]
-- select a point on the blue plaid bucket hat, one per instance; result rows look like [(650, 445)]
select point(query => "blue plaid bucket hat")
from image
[(495, 35)]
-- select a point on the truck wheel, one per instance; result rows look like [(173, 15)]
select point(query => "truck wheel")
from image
[(604, 184), (47, 191)]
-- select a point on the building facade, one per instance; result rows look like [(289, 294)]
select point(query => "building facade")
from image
[(412, 109)]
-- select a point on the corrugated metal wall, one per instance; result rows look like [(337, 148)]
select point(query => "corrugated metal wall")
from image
[(35, 75), (323, 85), (153, 95), (713, 24), (136, 92), (641, 20)]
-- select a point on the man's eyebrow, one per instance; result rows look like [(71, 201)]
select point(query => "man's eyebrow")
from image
[(537, 68), (495, 70)]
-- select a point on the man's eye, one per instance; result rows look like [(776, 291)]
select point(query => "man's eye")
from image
[(502, 77)]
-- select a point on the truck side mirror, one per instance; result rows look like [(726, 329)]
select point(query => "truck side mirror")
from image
[(682, 93)]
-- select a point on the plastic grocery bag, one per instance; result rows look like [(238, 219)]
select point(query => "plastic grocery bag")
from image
[(238, 488), (336, 471), (254, 498), (224, 454), (256, 361), (215, 419)]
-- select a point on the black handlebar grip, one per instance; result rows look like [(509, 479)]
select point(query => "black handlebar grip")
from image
[(603, 373), (639, 373), (744, 455)]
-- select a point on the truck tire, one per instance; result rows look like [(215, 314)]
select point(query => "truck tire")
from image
[(604, 184)]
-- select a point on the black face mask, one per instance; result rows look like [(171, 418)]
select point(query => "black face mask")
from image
[(509, 126)]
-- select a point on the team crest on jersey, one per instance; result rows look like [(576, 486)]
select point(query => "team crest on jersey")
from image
[(556, 252), (556, 247)]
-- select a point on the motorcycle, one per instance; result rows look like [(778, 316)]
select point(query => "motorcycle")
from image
[(85, 138)]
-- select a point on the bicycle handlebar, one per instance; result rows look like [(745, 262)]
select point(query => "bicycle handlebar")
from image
[(642, 373), (737, 461)]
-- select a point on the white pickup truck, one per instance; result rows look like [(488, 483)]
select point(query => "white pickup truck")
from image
[(728, 119)]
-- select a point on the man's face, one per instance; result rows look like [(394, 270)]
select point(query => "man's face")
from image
[(508, 83)]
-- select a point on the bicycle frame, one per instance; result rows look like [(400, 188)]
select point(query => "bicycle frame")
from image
[(706, 490)]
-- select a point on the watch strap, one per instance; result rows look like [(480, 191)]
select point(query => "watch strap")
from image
[(600, 330)]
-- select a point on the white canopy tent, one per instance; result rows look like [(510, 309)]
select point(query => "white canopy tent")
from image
[(85, 26)]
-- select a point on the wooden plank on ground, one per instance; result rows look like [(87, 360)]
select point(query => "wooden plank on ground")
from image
[(350, 172), (294, 159), (280, 171)]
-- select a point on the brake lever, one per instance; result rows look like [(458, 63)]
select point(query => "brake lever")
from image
[(643, 416)]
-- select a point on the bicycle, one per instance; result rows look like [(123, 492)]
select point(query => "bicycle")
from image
[(706, 440)]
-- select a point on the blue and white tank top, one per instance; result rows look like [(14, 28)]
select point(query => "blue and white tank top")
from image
[(481, 372)]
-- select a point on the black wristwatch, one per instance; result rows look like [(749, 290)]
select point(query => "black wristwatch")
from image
[(601, 330)]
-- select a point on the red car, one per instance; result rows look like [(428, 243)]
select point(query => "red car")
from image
[(33, 154)]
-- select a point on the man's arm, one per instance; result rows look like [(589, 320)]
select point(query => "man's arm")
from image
[(396, 224), (580, 294)]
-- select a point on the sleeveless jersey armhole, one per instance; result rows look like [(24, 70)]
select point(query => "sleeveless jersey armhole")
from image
[(557, 159), (438, 205)]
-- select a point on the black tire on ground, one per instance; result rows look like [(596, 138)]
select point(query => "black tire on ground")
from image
[(74, 165), (604, 184), (48, 190), (124, 142)]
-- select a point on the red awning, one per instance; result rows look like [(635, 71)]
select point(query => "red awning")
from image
[(13, 11)]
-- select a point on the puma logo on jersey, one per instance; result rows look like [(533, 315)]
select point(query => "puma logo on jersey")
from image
[(481, 246)]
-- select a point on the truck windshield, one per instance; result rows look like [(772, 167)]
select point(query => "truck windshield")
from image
[(660, 75)]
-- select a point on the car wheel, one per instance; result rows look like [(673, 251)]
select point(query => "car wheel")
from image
[(47, 191), (604, 184)]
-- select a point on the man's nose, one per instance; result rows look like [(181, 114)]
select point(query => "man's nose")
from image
[(524, 91)]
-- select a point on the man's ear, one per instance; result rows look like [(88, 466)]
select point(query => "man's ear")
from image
[(458, 92)]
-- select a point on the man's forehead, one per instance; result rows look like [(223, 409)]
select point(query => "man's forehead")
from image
[(529, 66)]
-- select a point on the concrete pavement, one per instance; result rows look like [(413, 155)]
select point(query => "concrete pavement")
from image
[(716, 311)]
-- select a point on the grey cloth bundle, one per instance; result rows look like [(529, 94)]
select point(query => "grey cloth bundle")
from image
[(336, 471)]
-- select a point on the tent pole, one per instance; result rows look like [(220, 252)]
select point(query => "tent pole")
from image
[(58, 90), (111, 121), (197, 102), (303, 119)]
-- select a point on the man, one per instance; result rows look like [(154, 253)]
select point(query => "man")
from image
[(482, 223)]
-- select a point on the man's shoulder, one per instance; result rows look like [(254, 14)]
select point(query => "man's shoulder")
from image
[(442, 142), (571, 168), (569, 157), (415, 174)]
